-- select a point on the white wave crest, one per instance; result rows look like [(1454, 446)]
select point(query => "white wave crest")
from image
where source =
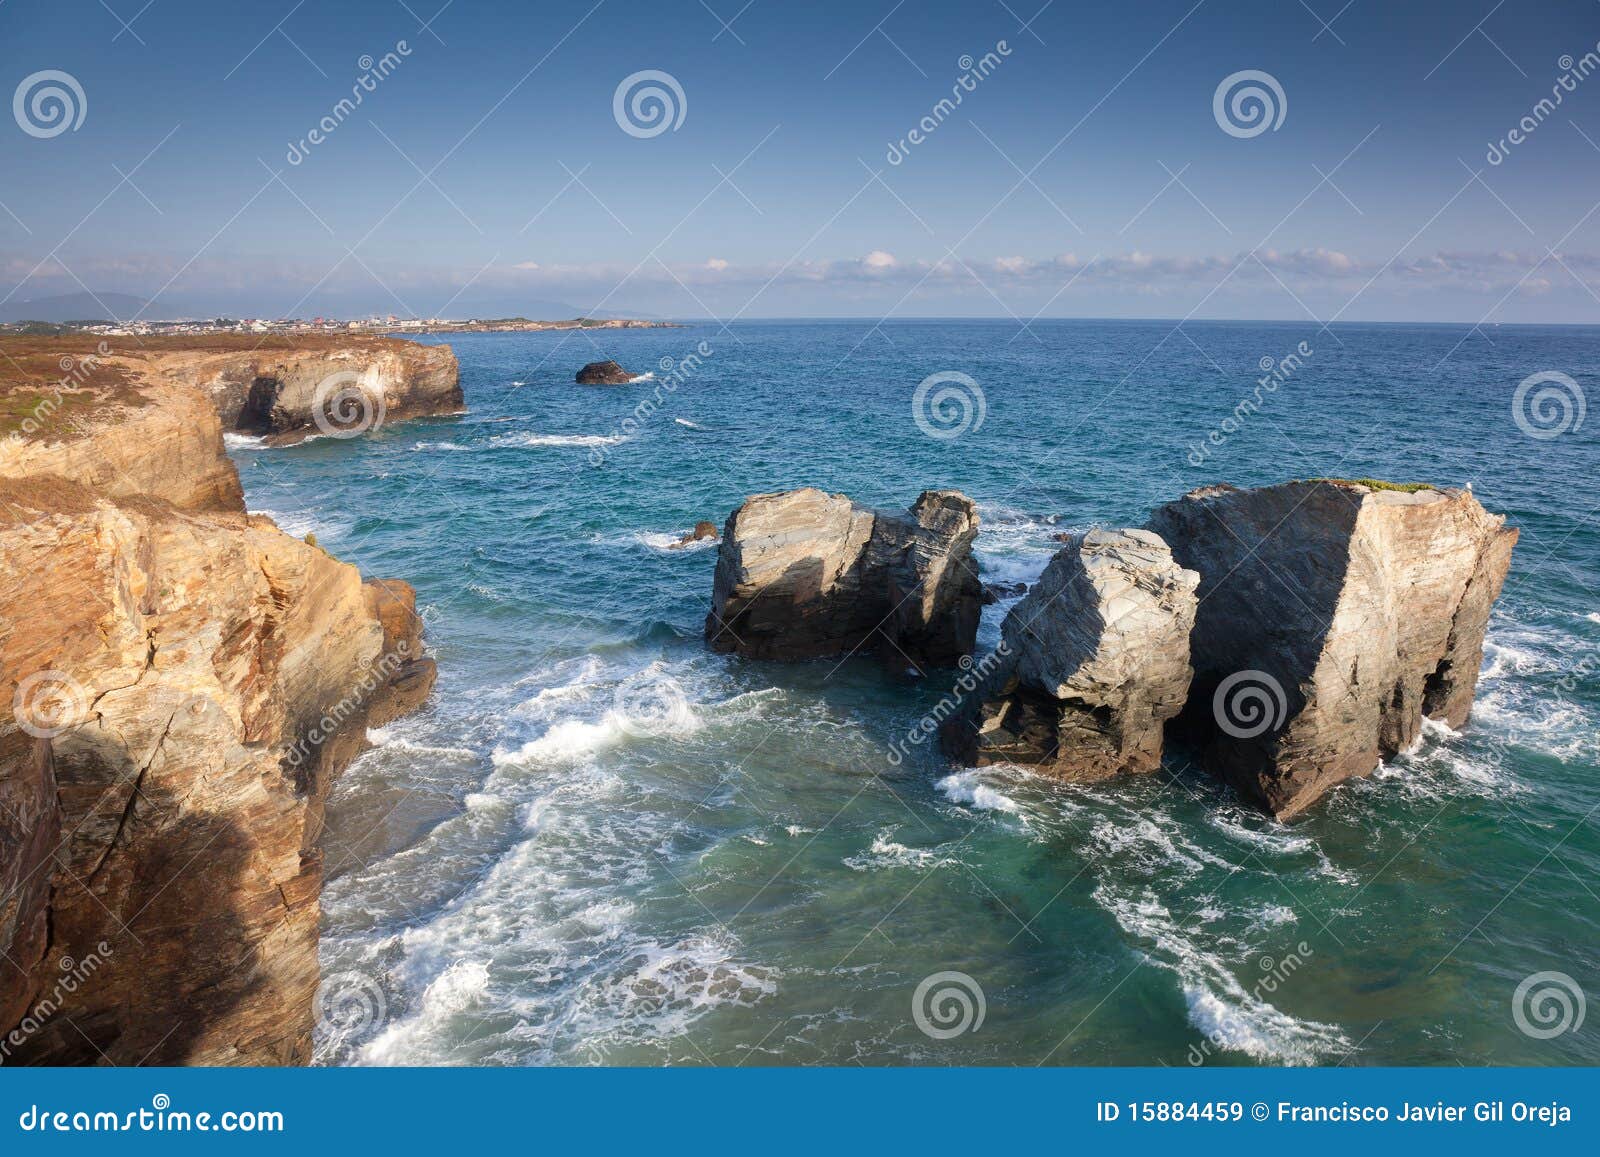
[(967, 787), (540, 440)]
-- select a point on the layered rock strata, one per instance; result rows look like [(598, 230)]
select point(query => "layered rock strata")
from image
[(180, 683), (1333, 617), (1092, 663), (286, 395), (803, 575)]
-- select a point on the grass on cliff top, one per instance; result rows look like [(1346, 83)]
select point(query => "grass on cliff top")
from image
[(1378, 484), (28, 412)]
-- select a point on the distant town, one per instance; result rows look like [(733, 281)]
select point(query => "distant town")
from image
[(294, 325)]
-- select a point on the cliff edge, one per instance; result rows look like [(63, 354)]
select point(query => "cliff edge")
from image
[(180, 684)]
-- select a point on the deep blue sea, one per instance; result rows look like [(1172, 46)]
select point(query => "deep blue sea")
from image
[(523, 874)]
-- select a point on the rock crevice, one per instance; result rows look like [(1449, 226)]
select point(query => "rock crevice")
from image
[(803, 574)]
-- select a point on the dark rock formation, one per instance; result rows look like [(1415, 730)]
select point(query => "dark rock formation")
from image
[(606, 373), (1091, 664), (994, 592), (1333, 616), (804, 574)]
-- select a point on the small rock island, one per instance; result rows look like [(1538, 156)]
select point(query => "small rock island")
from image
[(607, 373)]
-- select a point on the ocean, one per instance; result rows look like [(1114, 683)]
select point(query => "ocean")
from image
[(527, 874)]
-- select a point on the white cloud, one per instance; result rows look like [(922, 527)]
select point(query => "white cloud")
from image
[(717, 263), (878, 259)]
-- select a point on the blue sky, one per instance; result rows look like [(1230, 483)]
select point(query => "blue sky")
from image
[(1085, 175)]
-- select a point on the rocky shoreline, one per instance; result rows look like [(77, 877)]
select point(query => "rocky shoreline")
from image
[(183, 682)]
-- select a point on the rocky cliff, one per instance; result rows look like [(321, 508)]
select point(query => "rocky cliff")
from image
[(180, 683), (1333, 617), (1092, 663), (316, 387), (803, 574)]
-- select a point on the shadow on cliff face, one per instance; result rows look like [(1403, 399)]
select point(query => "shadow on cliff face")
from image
[(1269, 586), (153, 950)]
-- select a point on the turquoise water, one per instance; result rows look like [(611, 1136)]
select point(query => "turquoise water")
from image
[(525, 874)]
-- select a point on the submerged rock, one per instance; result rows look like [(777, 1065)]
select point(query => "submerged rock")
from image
[(1333, 617), (1091, 664), (607, 373), (702, 531), (994, 592), (803, 575)]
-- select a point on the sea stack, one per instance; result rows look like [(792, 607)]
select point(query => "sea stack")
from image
[(805, 575), (607, 373), (1333, 616), (1092, 663)]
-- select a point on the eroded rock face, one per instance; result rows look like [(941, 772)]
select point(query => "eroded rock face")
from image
[(1092, 663), (1332, 618), (180, 683), (606, 373), (288, 395), (803, 575)]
